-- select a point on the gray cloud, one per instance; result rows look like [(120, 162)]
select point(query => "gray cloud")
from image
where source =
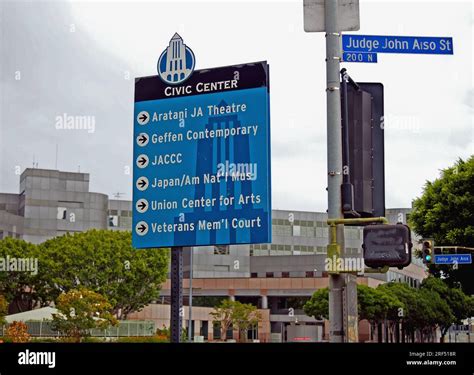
[(61, 71), (82, 74)]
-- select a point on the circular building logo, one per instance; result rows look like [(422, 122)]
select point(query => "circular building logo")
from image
[(176, 63)]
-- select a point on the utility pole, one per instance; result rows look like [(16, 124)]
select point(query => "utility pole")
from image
[(334, 153)]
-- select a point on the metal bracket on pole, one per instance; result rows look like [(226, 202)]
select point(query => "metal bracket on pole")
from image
[(334, 250), (348, 79), (176, 275), (383, 269), (355, 221)]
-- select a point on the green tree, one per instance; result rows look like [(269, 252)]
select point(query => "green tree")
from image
[(461, 306), (244, 317), (408, 297), (374, 305), (445, 212), (420, 311), (222, 314), (423, 310), (436, 313), (241, 316), (378, 305), (22, 289), (81, 310), (105, 262), (3, 309), (318, 305)]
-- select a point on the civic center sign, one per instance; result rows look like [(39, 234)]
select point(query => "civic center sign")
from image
[(201, 155)]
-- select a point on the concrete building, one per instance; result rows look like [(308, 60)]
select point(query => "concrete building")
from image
[(51, 203), (278, 277)]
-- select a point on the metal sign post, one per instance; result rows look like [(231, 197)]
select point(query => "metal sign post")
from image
[(176, 275), (201, 171), (190, 304)]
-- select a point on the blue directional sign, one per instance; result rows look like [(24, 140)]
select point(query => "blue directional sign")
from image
[(201, 157), (359, 57), (397, 44), (453, 259)]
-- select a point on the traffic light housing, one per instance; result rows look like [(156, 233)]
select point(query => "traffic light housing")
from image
[(387, 245), (363, 193), (427, 251)]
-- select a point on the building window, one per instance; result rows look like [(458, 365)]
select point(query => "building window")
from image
[(204, 329), (296, 230), (285, 275), (309, 273), (320, 250), (230, 333), (269, 274), (254, 275), (62, 213), (113, 221), (221, 268), (252, 333), (221, 250), (216, 332)]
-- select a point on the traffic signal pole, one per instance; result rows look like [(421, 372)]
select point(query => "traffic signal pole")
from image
[(334, 164)]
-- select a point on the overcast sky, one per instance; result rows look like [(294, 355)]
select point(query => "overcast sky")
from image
[(81, 58)]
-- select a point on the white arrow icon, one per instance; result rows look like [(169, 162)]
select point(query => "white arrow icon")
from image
[(143, 118), (142, 161), (142, 139), (141, 228), (142, 205), (142, 183)]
